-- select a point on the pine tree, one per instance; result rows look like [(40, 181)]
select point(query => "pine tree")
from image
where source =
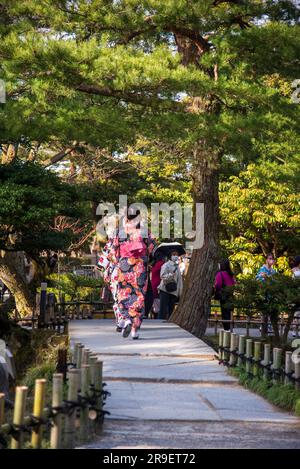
[(212, 77)]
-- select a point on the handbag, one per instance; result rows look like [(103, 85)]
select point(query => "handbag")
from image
[(170, 284)]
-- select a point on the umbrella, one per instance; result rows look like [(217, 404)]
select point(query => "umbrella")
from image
[(165, 248)]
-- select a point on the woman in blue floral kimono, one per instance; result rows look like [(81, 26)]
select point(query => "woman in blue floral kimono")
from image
[(130, 252)]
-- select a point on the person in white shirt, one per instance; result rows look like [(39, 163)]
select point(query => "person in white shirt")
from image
[(170, 287)]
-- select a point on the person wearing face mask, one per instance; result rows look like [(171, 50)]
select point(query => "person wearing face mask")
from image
[(267, 269), (263, 273), (170, 287)]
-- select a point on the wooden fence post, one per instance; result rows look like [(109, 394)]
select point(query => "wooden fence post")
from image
[(84, 392), (99, 385), (233, 348), (277, 358), (57, 400), (93, 371), (221, 332), (297, 375), (43, 305), (242, 343), (62, 359), (73, 381), (226, 344), (19, 414), (257, 357), (249, 347), (288, 367), (267, 360), (76, 352), (79, 356), (216, 322), (85, 356), (38, 408)]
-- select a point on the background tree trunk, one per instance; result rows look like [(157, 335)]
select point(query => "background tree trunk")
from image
[(13, 275), (194, 307)]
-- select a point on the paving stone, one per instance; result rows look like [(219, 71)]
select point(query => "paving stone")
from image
[(168, 382)]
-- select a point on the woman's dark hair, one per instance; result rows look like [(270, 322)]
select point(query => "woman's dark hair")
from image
[(225, 267), (132, 213), (158, 256), (270, 255), (296, 262)]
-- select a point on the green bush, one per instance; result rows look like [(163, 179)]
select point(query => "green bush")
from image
[(284, 396), (271, 297), (74, 286), (44, 371)]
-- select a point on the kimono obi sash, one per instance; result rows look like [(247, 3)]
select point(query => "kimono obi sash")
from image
[(133, 248)]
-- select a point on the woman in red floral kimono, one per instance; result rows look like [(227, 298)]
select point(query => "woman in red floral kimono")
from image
[(130, 251)]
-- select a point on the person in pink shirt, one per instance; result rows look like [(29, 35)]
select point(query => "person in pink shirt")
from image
[(224, 278)]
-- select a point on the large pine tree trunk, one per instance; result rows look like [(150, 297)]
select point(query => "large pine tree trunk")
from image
[(194, 307), (12, 274)]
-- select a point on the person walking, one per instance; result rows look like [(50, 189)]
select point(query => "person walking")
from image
[(170, 287), (130, 252), (110, 277), (224, 278)]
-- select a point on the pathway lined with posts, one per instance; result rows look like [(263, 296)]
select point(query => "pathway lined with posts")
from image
[(169, 391)]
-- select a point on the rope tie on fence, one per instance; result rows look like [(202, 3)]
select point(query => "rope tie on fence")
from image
[(3, 441), (37, 422)]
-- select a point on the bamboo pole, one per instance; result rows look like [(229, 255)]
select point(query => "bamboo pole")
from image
[(79, 356), (77, 346), (216, 323), (288, 367), (73, 377), (297, 375), (242, 343), (249, 348), (226, 344), (233, 348), (277, 358), (257, 357), (57, 400), (93, 371), (266, 360), (38, 407), (221, 332), (99, 385), (19, 413), (84, 392), (85, 356)]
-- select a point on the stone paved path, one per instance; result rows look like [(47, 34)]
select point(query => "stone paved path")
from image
[(168, 391)]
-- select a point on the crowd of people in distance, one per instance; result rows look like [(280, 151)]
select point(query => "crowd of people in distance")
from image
[(225, 278), (147, 279)]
